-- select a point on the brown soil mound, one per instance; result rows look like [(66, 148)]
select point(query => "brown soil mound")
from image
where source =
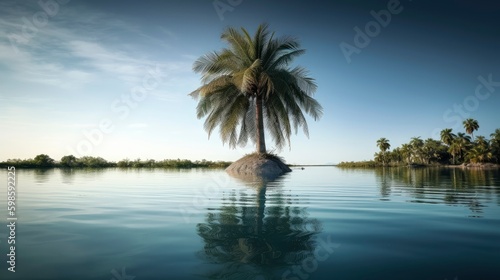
[(260, 165)]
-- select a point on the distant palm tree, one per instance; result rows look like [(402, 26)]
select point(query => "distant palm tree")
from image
[(455, 149), (481, 141), (470, 126), (447, 136), (249, 84), (464, 139), (480, 151), (431, 150), (495, 144), (495, 135), (463, 143), (396, 155), (406, 152), (384, 145), (479, 154), (416, 145)]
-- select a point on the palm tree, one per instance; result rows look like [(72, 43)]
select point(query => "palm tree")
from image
[(384, 145), (406, 152), (416, 145), (396, 155), (470, 126), (481, 141), (455, 150), (495, 135), (447, 136), (462, 143), (431, 150), (495, 144), (461, 137), (480, 152), (249, 84)]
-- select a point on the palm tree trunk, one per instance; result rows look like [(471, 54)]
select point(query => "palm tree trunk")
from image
[(259, 119)]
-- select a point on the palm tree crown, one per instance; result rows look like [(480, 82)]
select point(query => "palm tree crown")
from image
[(447, 136), (470, 126), (383, 144), (249, 84), (495, 136)]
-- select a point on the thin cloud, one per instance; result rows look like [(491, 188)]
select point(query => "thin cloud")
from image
[(74, 48)]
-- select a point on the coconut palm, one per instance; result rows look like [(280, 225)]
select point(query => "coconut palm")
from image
[(480, 151), (470, 126), (447, 136), (479, 154), (406, 152), (455, 149), (432, 150), (481, 141), (249, 86), (416, 145), (462, 142), (396, 155), (383, 145), (463, 139), (495, 144), (495, 135)]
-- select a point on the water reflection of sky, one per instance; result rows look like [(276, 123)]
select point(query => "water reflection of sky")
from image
[(203, 224)]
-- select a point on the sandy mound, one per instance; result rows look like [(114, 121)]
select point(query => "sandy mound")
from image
[(258, 165)]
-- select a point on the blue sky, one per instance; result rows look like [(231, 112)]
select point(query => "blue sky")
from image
[(111, 78)]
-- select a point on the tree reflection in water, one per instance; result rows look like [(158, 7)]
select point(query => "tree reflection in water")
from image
[(257, 233), (473, 188)]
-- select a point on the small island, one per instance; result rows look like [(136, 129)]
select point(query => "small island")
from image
[(250, 88)]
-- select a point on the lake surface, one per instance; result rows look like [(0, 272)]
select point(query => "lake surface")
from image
[(316, 223)]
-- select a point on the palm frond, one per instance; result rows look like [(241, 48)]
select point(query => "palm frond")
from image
[(255, 68)]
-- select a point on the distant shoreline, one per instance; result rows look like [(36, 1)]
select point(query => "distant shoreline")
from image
[(43, 161), (373, 164), (221, 165)]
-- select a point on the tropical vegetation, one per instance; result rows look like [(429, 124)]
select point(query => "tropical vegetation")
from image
[(450, 149), (249, 88), (70, 161)]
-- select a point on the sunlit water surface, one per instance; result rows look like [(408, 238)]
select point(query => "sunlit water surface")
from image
[(316, 223)]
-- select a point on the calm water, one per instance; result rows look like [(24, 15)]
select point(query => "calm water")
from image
[(317, 223)]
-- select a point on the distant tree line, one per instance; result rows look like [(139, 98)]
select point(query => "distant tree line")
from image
[(70, 161), (455, 149)]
